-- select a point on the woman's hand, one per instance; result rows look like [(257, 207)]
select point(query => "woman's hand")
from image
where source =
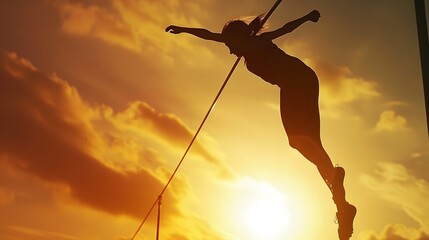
[(174, 29), (314, 16)]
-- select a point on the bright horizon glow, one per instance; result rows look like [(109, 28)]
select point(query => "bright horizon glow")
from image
[(267, 215)]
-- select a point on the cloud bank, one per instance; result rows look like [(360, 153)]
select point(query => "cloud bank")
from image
[(103, 159)]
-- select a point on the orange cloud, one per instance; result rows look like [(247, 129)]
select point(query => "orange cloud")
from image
[(97, 22), (129, 24), (169, 129), (339, 86), (137, 26), (390, 121), (44, 126), (53, 134), (398, 232)]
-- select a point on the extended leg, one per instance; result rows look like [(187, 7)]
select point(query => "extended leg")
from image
[(334, 177), (313, 150), (315, 153), (301, 120)]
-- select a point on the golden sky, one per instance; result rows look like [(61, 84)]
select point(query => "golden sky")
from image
[(98, 104)]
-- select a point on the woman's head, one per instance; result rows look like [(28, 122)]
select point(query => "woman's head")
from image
[(236, 32), (237, 28)]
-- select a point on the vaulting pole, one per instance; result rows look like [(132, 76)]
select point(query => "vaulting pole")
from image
[(424, 51)]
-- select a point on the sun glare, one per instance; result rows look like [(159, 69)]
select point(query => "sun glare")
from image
[(267, 214)]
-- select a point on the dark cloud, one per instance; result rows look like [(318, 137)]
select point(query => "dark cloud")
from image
[(45, 128)]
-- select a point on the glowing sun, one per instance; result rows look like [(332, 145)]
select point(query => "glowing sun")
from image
[(267, 214)]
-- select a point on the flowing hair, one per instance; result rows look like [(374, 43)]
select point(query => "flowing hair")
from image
[(245, 26)]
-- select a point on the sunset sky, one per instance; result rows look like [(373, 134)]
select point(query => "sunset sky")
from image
[(98, 104)]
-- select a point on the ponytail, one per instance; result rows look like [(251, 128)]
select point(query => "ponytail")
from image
[(255, 24)]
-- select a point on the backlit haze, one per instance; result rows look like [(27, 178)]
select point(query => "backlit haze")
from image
[(98, 104)]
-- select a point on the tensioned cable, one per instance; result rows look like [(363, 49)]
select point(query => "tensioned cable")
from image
[(204, 120)]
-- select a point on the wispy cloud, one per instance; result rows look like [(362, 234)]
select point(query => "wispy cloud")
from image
[(33, 233), (397, 232), (397, 185)]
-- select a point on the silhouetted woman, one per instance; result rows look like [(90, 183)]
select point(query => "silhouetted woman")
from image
[(299, 93)]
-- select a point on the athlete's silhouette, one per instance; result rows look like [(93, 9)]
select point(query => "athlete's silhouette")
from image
[(299, 92)]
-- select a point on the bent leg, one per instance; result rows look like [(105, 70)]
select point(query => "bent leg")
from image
[(301, 120), (299, 107)]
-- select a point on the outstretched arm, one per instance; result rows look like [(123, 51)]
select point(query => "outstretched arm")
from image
[(198, 32), (290, 26)]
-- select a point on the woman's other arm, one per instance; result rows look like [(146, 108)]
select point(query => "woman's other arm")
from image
[(290, 26), (198, 32)]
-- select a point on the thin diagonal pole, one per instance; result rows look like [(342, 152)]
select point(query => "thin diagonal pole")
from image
[(204, 120)]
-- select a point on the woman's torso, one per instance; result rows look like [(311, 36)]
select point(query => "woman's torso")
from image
[(268, 61)]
